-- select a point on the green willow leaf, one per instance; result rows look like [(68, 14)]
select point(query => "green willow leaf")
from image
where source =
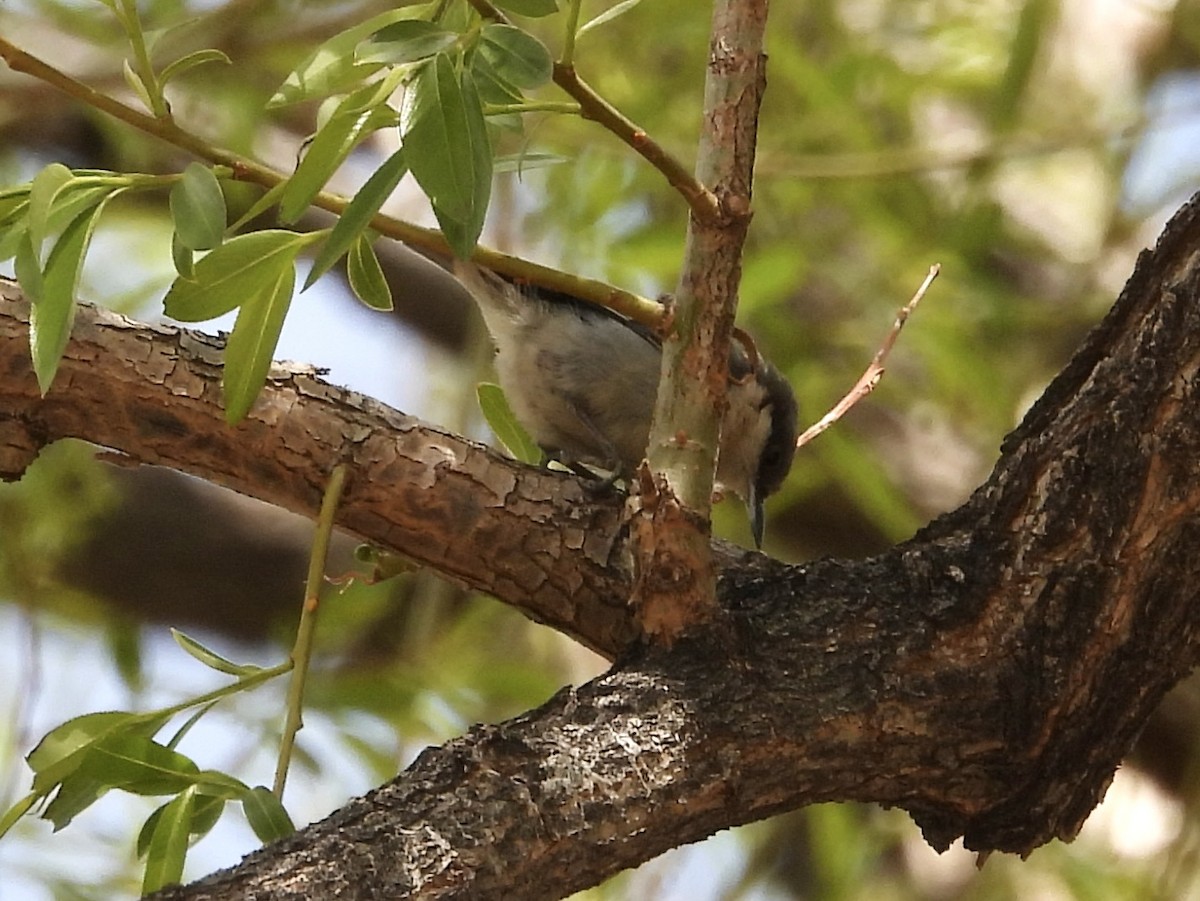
[(63, 741), (328, 150), (504, 424), (253, 340), (53, 311), (76, 794), (136, 84), (212, 659), (446, 144), (183, 258), (406, 41), (241, 268), (221, 785), (198, 208), (358, 215), (139, 765), (28, 267), (519, 58), (167, 849), (607, 16), (437, 138), (43, 191), (206, 811), (17, 811), (191, 61), (266, 815), (191, 721), (366, 275), (492, 87), (463, 234), (332, 68)]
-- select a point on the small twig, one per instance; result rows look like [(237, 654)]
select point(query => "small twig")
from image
[(302, 651), (704, 203), (572, 28), (869, 379)]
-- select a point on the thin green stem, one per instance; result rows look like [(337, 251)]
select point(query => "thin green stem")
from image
[(543, 106), (302, 651), (568, 54), (703, 202), (141, 56), (242, 684)]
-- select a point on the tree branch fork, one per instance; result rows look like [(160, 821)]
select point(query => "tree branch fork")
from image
[(988, 675)]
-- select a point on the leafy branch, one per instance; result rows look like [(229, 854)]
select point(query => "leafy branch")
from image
[(302, 650), (78, 762), (248, 170), (703, 202)]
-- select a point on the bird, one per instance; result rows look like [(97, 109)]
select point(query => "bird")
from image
[(582, 381)]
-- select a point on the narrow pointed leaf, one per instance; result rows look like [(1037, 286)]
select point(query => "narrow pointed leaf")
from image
[(76, 198), (198, 208), (191, 721), (366, 275), (607, 16), (519, 57), (43, 190), (17, 811), (358, 215), (493, 88), (462, 233), (61, 742), (28, 267), (267, 200), (332, 67), (206, 811), (328, 150), (212, 659), (266, 815), (252, 342), (183, 258), (139, 87), (221, 785), (503, 422), (406, 41), (14, 218), (238, 270), (142, 847), (140, 765), (167, 849), (77, 793), (51, 316), (191, 61), (441, 134)]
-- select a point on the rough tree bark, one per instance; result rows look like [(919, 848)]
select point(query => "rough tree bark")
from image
[(987, 675)]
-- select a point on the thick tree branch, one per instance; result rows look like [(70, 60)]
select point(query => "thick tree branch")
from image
[(152, 394), (987, 675)]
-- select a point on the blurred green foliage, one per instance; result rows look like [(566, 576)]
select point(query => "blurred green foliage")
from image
[(991, 136)]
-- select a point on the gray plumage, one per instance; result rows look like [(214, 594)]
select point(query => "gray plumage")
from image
[(582, 380)]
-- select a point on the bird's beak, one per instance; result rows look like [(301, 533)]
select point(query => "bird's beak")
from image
[(754, 506)]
